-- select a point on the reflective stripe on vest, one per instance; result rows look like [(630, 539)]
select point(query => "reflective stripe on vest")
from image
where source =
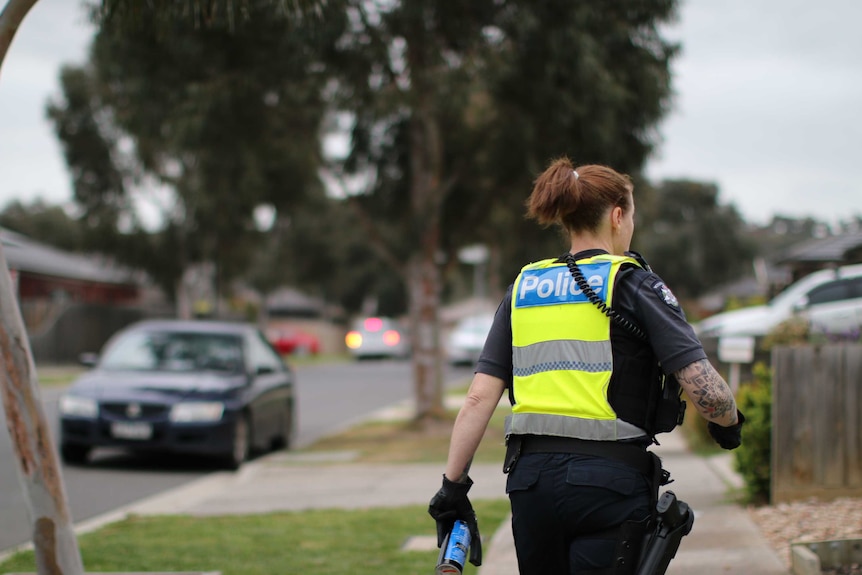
[(561, 352), (592, 356)]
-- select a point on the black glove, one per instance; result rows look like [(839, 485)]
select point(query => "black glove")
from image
[(451, 503), (727, 437)]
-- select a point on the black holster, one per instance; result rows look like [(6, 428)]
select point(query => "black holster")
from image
[(674, 521), (513, 451)]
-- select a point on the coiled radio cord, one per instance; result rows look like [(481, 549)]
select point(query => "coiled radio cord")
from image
[(597, 301)]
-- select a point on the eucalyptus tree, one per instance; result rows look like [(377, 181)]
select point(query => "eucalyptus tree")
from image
[(220, 110), (54, 541), (456, 105), (90, 146), (692, 240), (44, 222)]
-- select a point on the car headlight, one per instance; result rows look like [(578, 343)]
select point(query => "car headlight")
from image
[(196, 411), (77, 406)]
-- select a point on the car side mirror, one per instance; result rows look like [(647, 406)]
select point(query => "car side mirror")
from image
[(88, 359), (801, 304)]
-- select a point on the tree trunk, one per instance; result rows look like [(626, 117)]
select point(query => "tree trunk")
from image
[(39, 470), (183, 298), (10, 18), (423, 283), (56, 546), (424, 277)]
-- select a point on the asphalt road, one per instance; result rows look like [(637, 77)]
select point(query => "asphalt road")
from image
[(330, 398)]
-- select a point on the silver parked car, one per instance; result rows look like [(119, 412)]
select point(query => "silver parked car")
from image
[(830, 300), (467, 339)]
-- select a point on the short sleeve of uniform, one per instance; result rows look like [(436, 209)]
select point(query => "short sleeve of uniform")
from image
[(496, 356), (660, 315)]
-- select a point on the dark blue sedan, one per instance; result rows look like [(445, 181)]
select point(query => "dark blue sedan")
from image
[(198, 387)]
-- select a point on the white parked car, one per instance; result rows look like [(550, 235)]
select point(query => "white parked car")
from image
[(467, 339), (831, 300)]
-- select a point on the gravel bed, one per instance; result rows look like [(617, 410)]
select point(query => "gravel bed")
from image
[(854, 569), (810, 520)]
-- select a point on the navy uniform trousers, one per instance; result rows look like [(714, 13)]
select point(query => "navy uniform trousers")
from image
[(563, 506)]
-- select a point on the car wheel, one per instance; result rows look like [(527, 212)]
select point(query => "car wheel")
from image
[(288, 426), (74, 454), (241, 444)]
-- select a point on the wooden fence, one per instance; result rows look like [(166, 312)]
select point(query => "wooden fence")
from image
[(817, 422)]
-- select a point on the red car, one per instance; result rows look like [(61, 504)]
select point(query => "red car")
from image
[(290, 341)]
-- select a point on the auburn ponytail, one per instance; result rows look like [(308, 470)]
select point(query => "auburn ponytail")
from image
[(577, 198)]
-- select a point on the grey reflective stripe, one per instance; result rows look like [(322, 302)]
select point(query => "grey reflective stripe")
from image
[(568, 354), (566, 426)]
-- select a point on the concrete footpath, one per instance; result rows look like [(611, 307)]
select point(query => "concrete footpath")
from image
[(724, 539)]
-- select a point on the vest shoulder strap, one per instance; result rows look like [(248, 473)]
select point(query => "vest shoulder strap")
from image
[(597, 301)]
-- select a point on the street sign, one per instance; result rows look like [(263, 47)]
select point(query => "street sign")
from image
[(736, 349)]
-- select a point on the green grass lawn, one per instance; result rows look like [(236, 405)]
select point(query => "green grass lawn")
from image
[(58, 375), (320, 542), (317, 542), (405, 442)]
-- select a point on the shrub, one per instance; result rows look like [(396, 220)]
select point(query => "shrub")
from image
[(753, 457), (793, 331)]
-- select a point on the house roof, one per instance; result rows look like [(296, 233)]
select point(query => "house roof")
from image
[(826, 250), (289, 301), (26, 255)]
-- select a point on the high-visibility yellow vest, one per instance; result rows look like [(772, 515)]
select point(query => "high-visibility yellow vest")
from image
[(561, 352)]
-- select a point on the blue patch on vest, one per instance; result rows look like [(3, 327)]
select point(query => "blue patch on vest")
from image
[(555, 285)]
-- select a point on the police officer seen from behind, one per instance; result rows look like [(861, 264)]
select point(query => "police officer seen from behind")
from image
[(590, 347)]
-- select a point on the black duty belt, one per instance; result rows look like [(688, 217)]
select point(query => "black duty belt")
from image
[(631, 454)]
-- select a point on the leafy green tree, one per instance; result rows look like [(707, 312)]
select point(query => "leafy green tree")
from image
[(90, 150), (782, 232), (693, 242), (222, 109), (456, 106), (321, 250), (44, 222)]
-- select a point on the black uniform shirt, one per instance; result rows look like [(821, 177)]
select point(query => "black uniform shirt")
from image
[(640, 296)]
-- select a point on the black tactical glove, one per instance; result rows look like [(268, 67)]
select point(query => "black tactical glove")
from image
[(451, 503), (727, 437)]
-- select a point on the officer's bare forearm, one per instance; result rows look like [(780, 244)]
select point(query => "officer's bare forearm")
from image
[(470, 425), (708, 391)]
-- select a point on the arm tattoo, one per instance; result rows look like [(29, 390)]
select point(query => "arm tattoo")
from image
[(464, 475), (707, 388)]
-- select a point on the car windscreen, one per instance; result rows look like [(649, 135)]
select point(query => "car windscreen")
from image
[(174, 352)]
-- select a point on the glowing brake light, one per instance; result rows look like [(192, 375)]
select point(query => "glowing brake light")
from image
[(353, 339), (391, 337), (373, 324)]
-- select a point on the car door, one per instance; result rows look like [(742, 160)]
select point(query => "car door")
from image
[(271, 391), (832, 308)]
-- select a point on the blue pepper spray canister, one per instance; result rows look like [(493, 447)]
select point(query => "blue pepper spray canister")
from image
[(453, 552)]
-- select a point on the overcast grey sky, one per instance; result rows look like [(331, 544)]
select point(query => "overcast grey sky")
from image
[(768, 104)]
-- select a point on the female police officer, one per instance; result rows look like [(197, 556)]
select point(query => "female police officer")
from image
[(583, 344)]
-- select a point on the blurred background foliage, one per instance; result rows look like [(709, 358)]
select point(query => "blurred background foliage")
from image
[(369, 132)]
